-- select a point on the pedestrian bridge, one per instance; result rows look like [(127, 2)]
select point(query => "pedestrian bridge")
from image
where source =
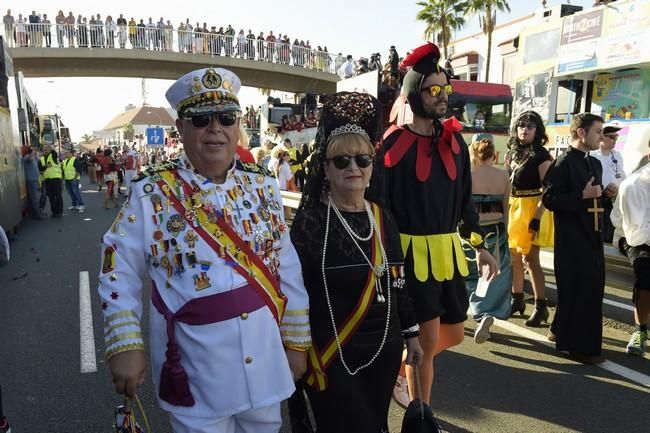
[(46, 51)]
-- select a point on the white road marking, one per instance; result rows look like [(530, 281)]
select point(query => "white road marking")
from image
[(612, 367), (87, 337), (605, 301)]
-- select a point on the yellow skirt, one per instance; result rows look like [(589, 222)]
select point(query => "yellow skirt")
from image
[(522, 211), (437, 255)]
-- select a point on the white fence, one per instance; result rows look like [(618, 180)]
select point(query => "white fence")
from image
[(165, 38)]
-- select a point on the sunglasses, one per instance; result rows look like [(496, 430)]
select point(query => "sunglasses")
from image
[(524, 125), (436, 89), (343, 161), (612, 136), (226, 118)]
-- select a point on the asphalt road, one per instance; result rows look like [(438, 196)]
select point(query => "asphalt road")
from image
[(513, 383)]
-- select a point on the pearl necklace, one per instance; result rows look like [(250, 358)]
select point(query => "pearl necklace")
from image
[(347, 226), (384, 265)]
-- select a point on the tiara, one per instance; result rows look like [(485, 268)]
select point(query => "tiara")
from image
[(348, 128)]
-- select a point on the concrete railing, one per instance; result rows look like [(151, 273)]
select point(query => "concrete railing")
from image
[(166, 38)]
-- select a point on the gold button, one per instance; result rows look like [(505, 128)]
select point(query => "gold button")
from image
[(248, 359), (244, 316)]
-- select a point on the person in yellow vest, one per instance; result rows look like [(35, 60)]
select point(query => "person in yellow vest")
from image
[(53, 175), (72, 176), (294, 163)]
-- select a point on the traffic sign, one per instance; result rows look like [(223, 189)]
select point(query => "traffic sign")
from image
[(155, 136)]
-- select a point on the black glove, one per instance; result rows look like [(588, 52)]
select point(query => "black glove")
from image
[(534, 225)]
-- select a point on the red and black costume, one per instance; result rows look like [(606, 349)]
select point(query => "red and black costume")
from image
[(429, 191)]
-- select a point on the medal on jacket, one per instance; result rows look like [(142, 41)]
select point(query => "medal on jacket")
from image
[(165, 263), (176, 224), (190, 238), (201, 281), (156, 201), (191, 259)]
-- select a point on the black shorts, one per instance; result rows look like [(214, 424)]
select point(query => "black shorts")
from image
[(639, 258), (445, 299)]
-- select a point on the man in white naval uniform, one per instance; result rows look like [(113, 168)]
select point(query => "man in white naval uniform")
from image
[(613, 173), (229, 325)]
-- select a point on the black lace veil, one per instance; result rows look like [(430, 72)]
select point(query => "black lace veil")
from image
[(340, 109)]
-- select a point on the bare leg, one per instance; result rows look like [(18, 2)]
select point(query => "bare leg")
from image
[(536, 273), (642, 308), (517, 272), (434, 339)]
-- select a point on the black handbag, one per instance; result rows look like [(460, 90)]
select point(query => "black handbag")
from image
[(418, 417), (298, 411)]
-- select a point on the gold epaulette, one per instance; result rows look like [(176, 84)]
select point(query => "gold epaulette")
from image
[(151, 170), (253, 168)]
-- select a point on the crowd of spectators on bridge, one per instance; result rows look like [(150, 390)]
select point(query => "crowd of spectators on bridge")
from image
[(37, 30)]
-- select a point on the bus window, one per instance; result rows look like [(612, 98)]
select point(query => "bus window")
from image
[(569, 99), (481, 107), (482, 117)]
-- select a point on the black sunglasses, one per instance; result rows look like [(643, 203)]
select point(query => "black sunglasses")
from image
[(226, 118), (343, 161), (527, 125)]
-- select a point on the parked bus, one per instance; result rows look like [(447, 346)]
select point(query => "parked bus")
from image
[(13, 192), (596, 60)]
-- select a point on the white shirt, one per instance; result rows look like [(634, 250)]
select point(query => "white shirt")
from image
[(631, 213), (284, 175), (612, 166), (346, 70)]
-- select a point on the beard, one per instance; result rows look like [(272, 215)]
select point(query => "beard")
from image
[(435, 112)]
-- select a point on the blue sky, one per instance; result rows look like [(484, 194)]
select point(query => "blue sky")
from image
[(357, 27)]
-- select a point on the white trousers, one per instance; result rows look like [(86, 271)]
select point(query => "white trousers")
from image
[(264, 420), (128, 177)]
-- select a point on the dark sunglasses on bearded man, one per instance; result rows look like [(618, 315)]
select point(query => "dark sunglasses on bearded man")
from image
[(225, 118)]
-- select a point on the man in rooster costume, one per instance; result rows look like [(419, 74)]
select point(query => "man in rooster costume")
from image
[(428, 188)]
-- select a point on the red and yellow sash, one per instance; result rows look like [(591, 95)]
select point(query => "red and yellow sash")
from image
[(226, 242), (319, 360)]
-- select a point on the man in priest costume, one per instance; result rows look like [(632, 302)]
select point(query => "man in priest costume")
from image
[(574, 193)]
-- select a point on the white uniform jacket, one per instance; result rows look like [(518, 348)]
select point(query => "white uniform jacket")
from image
[(612, 166), (233, 365), (631, 213)]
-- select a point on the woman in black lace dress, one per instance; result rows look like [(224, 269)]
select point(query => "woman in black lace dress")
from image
[(349, 248)]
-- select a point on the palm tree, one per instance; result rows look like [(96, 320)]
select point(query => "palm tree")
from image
[(87, 139), (128, 131), (487, 11), (442, 17)]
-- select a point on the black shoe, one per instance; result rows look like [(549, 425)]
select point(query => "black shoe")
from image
[(539, 315), (517, 303), (586, 359)]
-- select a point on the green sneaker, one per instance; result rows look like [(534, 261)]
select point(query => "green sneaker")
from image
[(637, 344)]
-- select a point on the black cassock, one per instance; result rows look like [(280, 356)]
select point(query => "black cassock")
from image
[(579, 261)]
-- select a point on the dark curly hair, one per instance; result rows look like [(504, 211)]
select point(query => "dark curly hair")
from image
[(518, 151)]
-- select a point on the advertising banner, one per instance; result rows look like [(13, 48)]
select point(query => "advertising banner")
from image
[(606, 38), (622, 95), (579, 41), (534, 93)]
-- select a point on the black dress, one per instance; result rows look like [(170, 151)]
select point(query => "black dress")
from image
[(356, 403), (579, 259)]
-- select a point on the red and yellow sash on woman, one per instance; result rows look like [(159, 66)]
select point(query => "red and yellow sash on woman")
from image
[(228, 244), (319, 360)]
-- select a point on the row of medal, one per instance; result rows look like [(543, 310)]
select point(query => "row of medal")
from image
[(252, 212)]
